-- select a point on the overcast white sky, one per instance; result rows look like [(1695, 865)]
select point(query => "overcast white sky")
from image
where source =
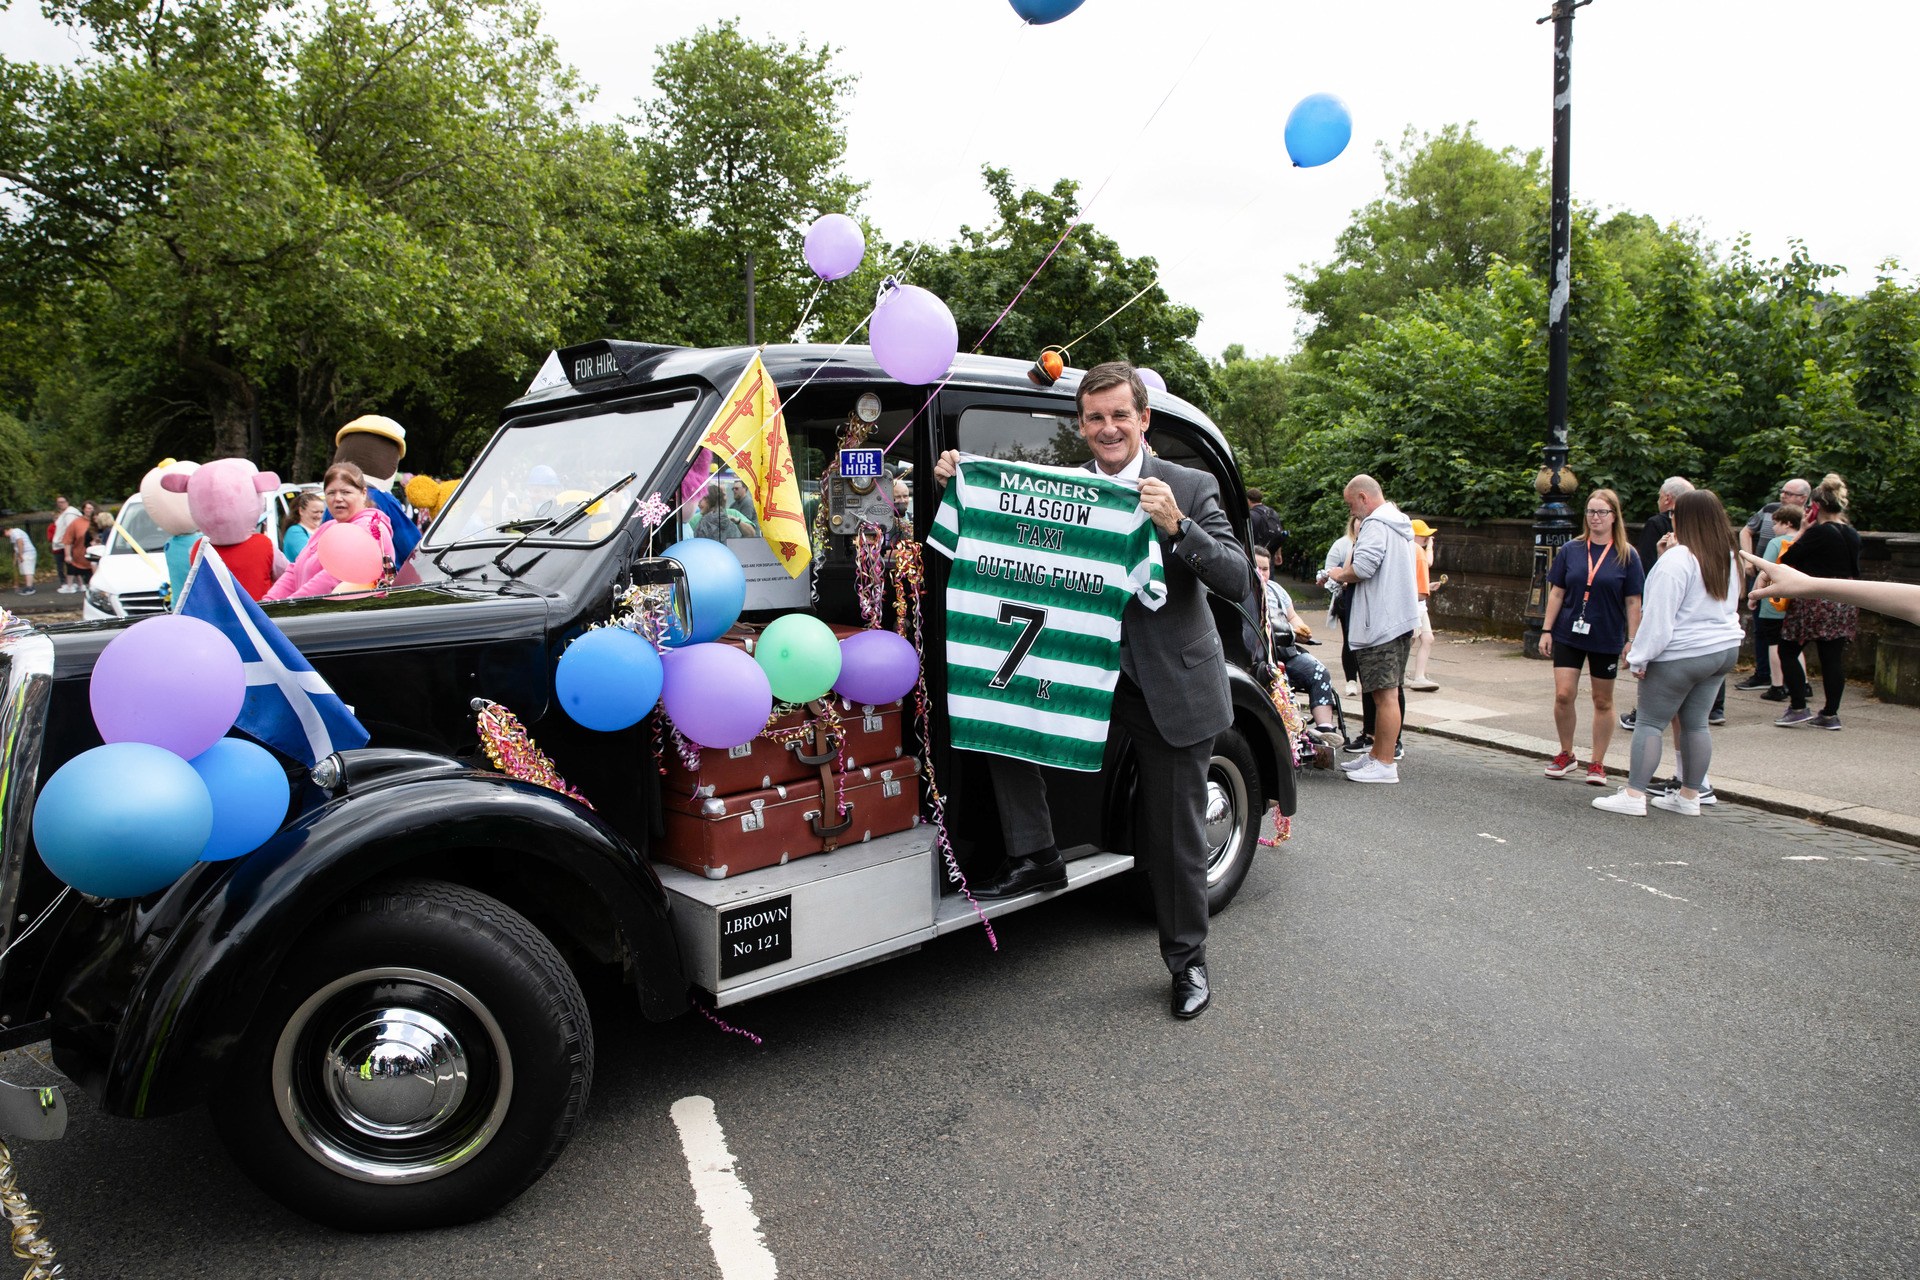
[(1765, 117)]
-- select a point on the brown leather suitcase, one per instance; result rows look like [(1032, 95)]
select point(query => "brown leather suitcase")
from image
[(725, 835), (788, 752)]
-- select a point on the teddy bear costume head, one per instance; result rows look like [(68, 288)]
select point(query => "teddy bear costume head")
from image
[(375, 444)]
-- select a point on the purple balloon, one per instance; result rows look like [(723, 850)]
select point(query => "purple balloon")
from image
[(914, 336), (834, 246), (715, 694), (170, 681), (877, 667), (1153, 380)]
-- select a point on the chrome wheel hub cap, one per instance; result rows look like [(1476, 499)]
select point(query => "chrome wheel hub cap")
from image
[(392, 1075), (1226, 817)]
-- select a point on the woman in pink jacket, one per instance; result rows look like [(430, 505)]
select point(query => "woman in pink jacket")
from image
[(345, 489)]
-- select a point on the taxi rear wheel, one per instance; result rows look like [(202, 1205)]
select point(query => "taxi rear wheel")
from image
[(420, 1060)]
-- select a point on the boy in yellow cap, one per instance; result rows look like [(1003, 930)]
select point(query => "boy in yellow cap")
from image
[(1423, 628)]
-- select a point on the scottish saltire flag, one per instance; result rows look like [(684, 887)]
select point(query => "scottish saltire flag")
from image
[(288, 706)]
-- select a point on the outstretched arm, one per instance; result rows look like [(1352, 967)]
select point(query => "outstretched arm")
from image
[(1897, 599)]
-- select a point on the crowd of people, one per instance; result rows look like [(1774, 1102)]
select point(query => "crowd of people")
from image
[(1669, 607), (72, 530)]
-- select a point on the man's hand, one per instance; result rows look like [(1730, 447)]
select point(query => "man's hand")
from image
[(1156, 499), (1666, 543), (946, 468)]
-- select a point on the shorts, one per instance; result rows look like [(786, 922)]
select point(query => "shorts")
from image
[(1605, 666), (26, 561), (1383, 666), (1423, 625)]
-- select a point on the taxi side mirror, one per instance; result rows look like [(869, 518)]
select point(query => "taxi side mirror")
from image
[(661, 585)]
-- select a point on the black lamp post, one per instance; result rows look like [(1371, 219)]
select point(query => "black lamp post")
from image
[(1553, 521)]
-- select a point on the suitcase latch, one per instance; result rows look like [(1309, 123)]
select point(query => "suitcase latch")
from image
[(889, 786), (755, 818), (870, 724), (742, 751)]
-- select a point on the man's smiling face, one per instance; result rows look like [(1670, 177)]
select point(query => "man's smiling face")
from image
[(1112, 426)]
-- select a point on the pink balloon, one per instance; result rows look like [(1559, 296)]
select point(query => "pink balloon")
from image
[(348, 552), (834, 246), (877, 667), (715, 694), (169, 681), (914, 336)]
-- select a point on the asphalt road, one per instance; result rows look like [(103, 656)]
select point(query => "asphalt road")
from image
[(1463, 1027)]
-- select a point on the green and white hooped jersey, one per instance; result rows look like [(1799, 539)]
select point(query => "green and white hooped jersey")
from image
[(1045, 560)]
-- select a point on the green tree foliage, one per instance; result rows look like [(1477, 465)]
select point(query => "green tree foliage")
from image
[(1731, 370), (19, 465), (1453, 206), (283, 217), (1251, 398), (1071, 299), (744, 144)]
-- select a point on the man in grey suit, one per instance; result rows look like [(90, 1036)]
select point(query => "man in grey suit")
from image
[(1172, 698)]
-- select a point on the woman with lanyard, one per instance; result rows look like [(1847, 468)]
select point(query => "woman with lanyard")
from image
[(1603, 574)]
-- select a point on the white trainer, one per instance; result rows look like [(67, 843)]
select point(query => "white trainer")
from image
[(1674, 802), (1372, 770), (1621, 802), (1355, 763)]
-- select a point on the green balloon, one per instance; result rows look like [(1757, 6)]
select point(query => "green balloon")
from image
[(800, 655)]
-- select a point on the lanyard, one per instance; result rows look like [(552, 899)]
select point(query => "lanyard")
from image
[(1593, 571)]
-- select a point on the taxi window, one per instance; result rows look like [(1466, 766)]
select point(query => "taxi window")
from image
[(1022, 435)]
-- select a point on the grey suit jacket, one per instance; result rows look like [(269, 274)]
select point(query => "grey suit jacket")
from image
[(1174, 652)]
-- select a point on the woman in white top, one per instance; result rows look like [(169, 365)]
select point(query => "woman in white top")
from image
[(1688, 639)]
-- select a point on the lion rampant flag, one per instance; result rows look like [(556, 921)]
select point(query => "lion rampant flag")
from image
[(750, 434)]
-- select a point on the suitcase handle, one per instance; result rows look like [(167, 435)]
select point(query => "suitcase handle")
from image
[(829, 749), (823, 830)]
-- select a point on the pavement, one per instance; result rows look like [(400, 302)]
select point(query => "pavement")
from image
[(1862, 778)]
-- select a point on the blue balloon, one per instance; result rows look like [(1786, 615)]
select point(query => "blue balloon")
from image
[(249, 791), (608, 679), (718, 585), (1041, 12), (1318, 129), (123, 820)]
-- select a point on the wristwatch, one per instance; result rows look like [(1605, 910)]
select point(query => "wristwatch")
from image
[(1184, 528)]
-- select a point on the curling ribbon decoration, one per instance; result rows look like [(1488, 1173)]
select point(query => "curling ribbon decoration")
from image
[(28, 1244), (909, 580)]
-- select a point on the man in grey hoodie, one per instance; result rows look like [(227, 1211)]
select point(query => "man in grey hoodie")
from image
[(1386, 606)]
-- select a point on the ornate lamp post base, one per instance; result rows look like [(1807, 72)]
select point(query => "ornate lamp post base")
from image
[(1552, 526)]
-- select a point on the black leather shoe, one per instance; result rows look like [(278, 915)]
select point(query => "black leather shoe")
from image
[(1024, 875), (1191, 995)]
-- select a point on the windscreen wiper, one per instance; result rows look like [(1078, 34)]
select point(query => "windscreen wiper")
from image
[(558, 523)]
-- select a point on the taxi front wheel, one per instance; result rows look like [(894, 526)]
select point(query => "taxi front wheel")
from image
[(420, 1060)]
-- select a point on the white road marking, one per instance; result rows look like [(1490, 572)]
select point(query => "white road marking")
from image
[(1484, 835), (1805, 857), (1605, 874), (726, 1206)]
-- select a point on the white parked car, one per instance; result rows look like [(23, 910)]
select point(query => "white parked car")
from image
[(129, 568)]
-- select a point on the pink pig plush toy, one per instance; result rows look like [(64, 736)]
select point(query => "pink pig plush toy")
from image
[(226, 497)]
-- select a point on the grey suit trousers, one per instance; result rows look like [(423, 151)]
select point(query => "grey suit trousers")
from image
[(1170, 842)]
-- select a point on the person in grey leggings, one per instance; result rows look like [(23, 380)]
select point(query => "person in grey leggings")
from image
[(1685, 687)]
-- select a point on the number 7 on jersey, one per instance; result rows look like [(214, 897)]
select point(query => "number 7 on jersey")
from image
[(1031, 621)]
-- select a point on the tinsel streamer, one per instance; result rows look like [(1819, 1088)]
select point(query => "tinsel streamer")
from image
[(513, 752), (1282, 831), (909, 585), (1289, 715), (28, 1244), (659, 744), (726, 1026)]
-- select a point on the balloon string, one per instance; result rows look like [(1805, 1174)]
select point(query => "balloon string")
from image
[(1088, 207), (807, 310), (1116, 311)]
